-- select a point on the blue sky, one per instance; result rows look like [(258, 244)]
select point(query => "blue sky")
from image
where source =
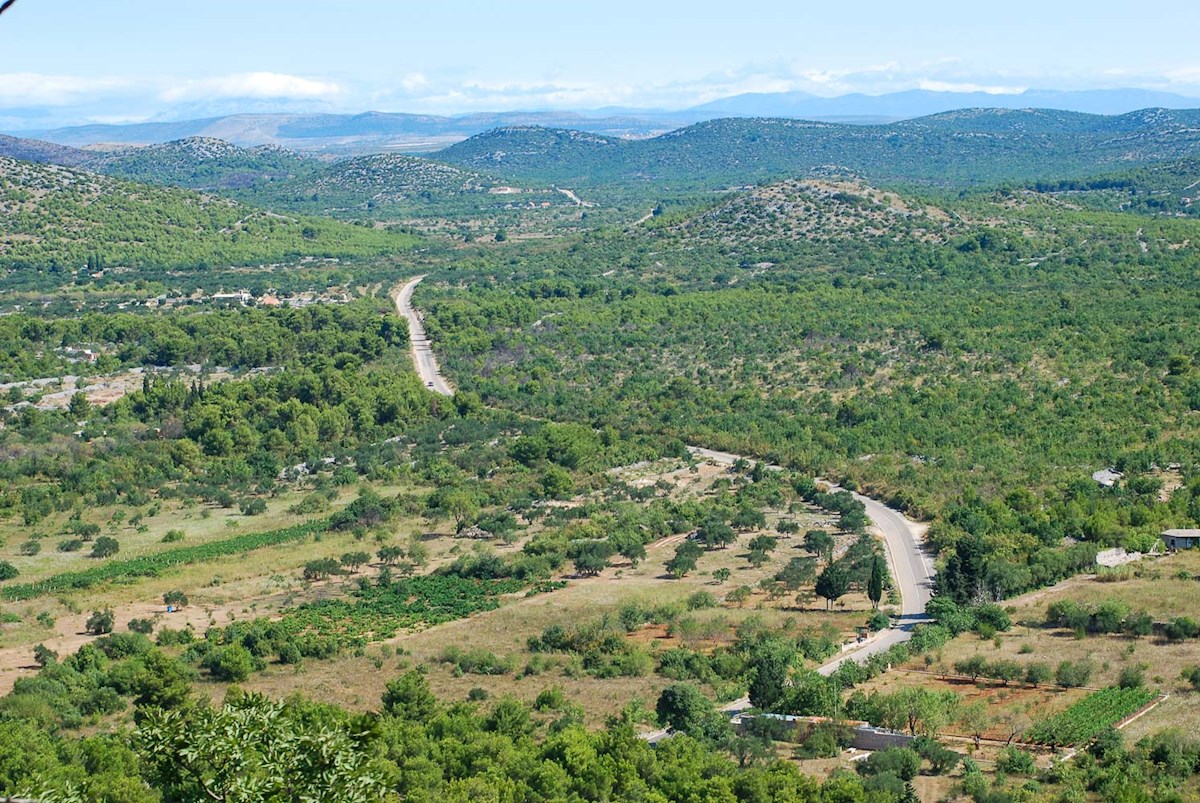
[(117, 60)]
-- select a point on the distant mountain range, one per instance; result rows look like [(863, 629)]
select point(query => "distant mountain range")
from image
[(373, 132), (962, 148)]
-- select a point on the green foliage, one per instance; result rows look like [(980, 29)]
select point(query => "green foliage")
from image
[(82, 216), (900, 761), (1091, 715), (105, 547), (101, 622)]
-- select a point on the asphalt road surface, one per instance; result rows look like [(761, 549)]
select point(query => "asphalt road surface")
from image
[(422, 349)]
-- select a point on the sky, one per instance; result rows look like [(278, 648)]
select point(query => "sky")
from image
[(73, 61)]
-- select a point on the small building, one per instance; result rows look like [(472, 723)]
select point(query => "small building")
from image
[(1181, 539)]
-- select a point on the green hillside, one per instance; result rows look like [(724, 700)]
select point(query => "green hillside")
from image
[(970, 147), (58, 219)]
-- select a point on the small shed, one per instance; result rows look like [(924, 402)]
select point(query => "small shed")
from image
[(1181, 539)]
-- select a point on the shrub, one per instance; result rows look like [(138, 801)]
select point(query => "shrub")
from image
[(143, 626), (899, 761), (173, 536), (941, 758), (1072, 674), (253, 507), (231, 664), (105, 547), (101, 622), (1131, 677), (879, 621), (70, 545), (30, 548), (700, 600), (550, 699), (7, 570), (1016, 761)]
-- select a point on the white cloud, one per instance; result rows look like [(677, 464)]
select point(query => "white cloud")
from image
[(252, 85), (960, 86)]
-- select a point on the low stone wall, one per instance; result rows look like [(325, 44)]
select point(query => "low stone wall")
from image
[(868, 738)]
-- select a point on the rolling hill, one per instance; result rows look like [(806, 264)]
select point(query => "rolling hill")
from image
[(818, 209), (963, 148), (202, 163), (54, 220)]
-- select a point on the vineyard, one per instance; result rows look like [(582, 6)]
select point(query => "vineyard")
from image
[(1091, 715), (151, 565), (326, 628)]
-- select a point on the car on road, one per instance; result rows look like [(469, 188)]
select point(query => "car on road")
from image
[(429, 384)]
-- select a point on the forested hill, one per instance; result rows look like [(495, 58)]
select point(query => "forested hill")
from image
[(819, 209), (200, 163), (374, 182), (56, 218), (203, 163), (980, 146)]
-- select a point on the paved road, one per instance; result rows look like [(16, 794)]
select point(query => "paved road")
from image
[(422, 349), (911, 568)]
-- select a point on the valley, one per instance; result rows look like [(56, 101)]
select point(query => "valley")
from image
[(593, 467)]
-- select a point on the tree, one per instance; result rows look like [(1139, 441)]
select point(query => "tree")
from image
[(320, 569), (687, 555), (43, 656), (255, 749), (355, 560), (79, 407), (833, 583), (1072, 674), (232, 663), (721, 575), (1037, 673), (819, 543), (175, 598), (797, 573), (763, 543), (101, 622), (739, 595), (590, 556), (771, 661), (105, 547), (972, 667), (629, 545), (8, 571), (253, 507), (715, 533), (900, 761), (875, 583), (409, 697), (684, 708), (388, 555)]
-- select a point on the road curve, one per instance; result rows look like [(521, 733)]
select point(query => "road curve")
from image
[(911, 568), (422, 349)]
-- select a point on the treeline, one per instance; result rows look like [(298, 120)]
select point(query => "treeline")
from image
[(239, 338)]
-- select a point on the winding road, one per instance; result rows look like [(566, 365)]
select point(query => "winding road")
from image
[(911, 568)]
